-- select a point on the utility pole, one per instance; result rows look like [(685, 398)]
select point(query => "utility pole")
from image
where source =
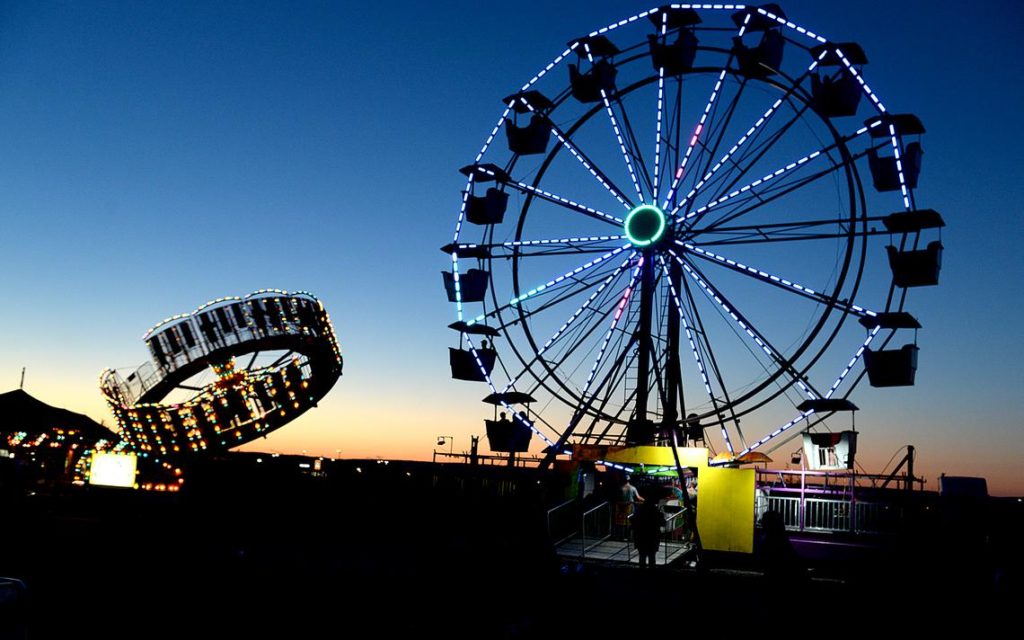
[(22, 384)]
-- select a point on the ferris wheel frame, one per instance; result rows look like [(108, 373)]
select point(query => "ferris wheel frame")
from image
[(883, 125)]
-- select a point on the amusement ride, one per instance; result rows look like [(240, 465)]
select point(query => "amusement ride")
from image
[(232, 370), (698, 224)]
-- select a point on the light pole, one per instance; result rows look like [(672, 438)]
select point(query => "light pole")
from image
[(449, 440)]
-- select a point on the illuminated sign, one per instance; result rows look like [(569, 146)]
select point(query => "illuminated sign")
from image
[(112, 469)]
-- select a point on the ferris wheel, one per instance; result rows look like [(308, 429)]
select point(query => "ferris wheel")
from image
[(700, 220)]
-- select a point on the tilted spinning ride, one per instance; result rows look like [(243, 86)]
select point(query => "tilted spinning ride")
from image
[(700, 221), (232, 370)]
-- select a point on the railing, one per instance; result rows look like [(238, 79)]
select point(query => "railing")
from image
[(491, 460), (831, 515), (826, 515), (146, 376), (596, 527), (562, 522), (788, 508), (591, 527), (794, 478), (877, 517)]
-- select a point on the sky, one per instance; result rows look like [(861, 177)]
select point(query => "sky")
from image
[(154, 156)]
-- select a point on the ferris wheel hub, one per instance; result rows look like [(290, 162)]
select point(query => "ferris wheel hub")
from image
[(645, 225)]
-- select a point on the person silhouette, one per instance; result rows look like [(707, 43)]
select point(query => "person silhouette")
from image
[(647, 523)]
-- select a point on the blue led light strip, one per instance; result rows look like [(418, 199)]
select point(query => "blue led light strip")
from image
[(531, 243), (899, 166), (795, 421), (661, 103), (551, 65), (860, 80), (743, 139), (618, 134), (771, 176), (550, 283), (791, 25), (487, 377), (576, 154), (743, 325), (764, 275), (853, 361), (611, 329), (565, 326), (572, 204), (700, 126)]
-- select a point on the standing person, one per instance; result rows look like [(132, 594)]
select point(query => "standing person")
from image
[(628, 497), (647, 524), (629, 493)]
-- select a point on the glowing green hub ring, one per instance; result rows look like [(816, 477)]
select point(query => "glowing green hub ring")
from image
[(641, 229)]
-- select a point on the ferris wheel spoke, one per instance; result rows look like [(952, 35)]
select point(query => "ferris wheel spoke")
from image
[(717, 131), (759, 339), (751, 132), (699, 129), (777, 432), (577, 153), (776, 281), (550, 285), (575, 316), (545, 247), (725, 405), (623, 303), (800, 230), (749, 189), (586, 407), (564, 202), (634, 145), (613, 381), (626, 156), (740, 167), (540, 289), (693, 348), (751, 200), (659, 116), (758, 151), (563, 294)]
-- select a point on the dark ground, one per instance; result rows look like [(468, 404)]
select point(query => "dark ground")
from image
[(270, 551)]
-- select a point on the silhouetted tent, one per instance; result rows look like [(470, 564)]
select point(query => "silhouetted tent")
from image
[(21, 412)]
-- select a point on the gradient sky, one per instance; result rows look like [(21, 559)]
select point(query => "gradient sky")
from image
[(156, 155)]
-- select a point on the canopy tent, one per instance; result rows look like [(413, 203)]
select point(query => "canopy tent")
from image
[(21, 412)]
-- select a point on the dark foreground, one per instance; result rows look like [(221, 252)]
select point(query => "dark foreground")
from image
[(402, 550)]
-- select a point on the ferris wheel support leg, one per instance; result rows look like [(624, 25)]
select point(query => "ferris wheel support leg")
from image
[(638, 433), (559, 446), (673, 373)]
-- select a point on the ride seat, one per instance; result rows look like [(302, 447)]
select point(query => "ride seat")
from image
[(587, 87), (918, 268)]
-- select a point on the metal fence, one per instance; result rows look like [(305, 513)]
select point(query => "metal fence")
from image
[(831, 515)]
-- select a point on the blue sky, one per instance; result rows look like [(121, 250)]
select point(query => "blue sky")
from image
[(157, 155)]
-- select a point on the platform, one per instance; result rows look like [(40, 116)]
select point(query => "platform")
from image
[(609, 550)]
